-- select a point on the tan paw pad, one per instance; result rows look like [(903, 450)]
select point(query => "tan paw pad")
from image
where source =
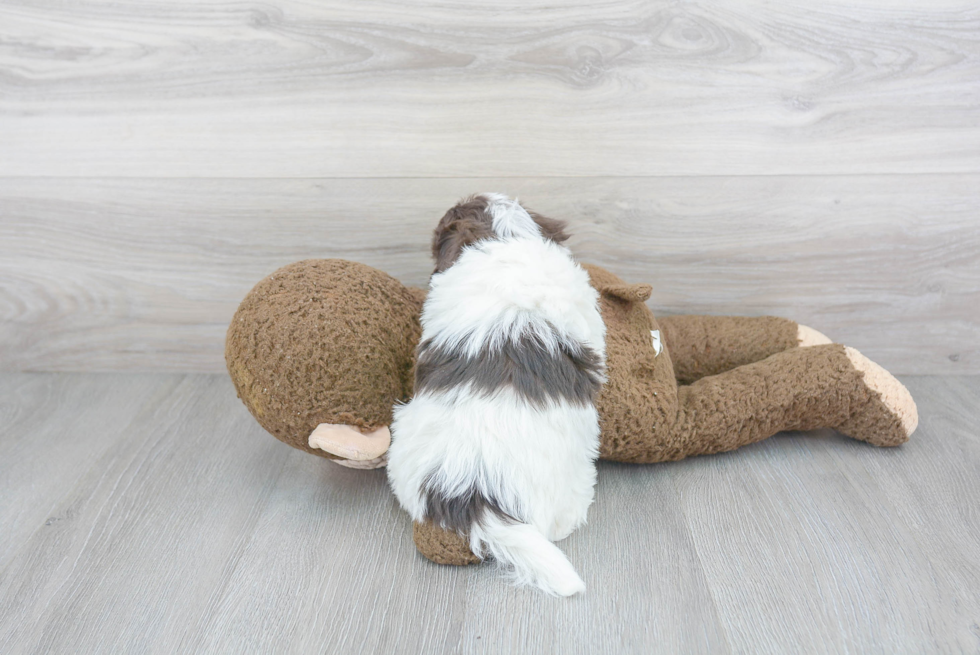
[(807, 336), (350, 442), (892, 392)]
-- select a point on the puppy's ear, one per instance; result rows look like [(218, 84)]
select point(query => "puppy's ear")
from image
[(466, 223), (551, 228)]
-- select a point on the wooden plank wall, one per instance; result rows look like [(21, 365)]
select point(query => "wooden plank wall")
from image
[(820, 162)]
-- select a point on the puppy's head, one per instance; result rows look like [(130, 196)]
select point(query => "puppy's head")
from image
[(488, 216)]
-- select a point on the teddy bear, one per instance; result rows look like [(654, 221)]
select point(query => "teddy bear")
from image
[(320, 352)]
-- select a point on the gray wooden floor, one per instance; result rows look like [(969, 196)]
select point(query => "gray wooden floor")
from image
[(150, 513)]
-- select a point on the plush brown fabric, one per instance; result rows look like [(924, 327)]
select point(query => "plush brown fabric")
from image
[(709, 345), (324, 341), (330, 341), (442, 546), (640, 391), (646, 417)]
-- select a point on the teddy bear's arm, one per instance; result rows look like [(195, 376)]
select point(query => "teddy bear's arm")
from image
[(708, 345)]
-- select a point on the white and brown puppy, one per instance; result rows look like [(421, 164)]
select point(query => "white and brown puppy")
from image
[(501, 437)]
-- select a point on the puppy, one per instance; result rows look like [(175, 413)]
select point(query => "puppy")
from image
[(500, 440)]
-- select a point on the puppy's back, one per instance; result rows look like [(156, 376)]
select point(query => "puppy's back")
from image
[(508, 289), (502, 431)]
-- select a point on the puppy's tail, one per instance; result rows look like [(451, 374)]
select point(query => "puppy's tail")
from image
[(527, 553)]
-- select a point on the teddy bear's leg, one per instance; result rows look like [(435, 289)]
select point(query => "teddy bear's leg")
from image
[(708, 345), (442, 546), (826, 386)]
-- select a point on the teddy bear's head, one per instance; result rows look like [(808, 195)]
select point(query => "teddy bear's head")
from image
[(324, 342)]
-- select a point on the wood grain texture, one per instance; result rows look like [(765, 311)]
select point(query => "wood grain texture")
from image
[(158, 519), (145, 274), (188, 529), (55, 429), (426, 89), (816, 510)]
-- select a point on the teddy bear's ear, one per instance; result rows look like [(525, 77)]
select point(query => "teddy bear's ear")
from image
[(629, 292)]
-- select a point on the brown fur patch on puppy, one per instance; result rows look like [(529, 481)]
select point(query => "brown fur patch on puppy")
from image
[(551, 228), (458, 513), (573, 372), (471, 221), (466, 223)]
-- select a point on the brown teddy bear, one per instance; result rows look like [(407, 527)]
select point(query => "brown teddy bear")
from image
[(321, 350)]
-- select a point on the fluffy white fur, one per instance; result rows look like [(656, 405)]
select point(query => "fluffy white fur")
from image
[(500, 289), (509, 218), (538, 464)]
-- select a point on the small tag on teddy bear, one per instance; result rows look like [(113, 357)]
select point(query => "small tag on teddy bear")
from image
[(657, 346)]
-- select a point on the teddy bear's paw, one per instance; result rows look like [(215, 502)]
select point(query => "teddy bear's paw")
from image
[(367, 464), (442, 546), (889, 417), (349, 442), (807, 336)]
